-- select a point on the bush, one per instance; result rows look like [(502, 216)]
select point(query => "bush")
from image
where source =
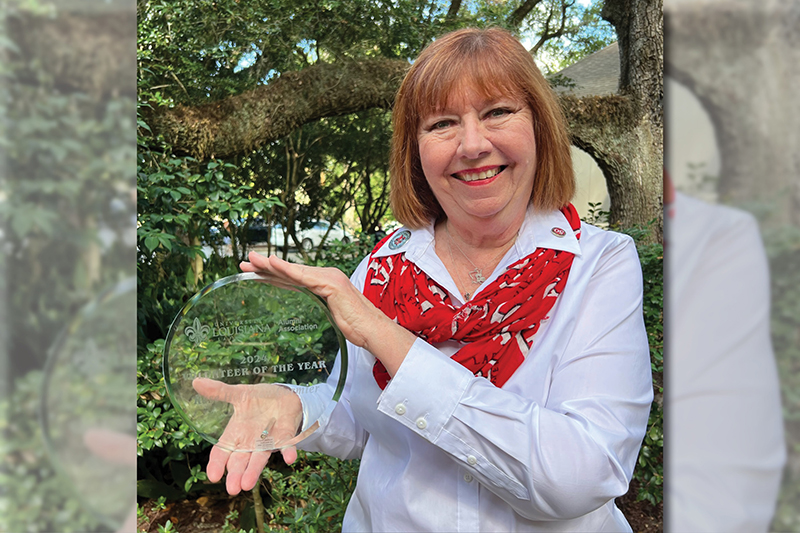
[(650, 468)]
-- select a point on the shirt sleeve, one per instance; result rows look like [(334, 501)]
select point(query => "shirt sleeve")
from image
[(568, 455), (339, 435)]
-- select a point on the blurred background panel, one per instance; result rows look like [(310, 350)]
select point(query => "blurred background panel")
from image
[(733, 258), (67, 256)]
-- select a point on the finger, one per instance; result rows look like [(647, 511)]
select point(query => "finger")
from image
[(277, 281), (258, 460), (246, 266), (257, 260), (319, 280), (217, 461), (291, 271), (237, 464), (289, 454), (316, 279), (262, 266), (214, 390)]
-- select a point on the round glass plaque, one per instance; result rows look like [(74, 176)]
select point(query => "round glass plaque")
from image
[(238, 353)]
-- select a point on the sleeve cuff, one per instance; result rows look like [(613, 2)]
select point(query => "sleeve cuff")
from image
[(315, 407), (425, 391)]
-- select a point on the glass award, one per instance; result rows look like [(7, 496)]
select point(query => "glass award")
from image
[(88, 408), (238, 353)]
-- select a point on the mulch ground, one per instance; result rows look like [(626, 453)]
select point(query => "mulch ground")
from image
[(203, 514), (643, 516), (208, 513)]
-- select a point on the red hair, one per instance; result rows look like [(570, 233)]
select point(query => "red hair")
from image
[(492, 63)]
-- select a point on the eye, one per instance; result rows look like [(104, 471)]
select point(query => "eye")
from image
[(440, 125), (499, 112)]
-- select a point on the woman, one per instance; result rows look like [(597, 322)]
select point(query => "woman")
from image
[(500, 375)]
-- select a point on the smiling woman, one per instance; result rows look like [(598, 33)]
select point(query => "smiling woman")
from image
[(498, 357), (491, 70)]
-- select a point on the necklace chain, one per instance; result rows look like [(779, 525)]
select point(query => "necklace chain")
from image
[(476, 275), (452, 260)]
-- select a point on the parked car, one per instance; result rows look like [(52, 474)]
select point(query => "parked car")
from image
[(312, 237), (257, 231)]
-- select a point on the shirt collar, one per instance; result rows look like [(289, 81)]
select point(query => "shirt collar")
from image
[(412, 242), (549, 229), (539, 230)]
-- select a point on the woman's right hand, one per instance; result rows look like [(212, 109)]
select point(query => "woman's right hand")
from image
[(256, 408), (359, 320)]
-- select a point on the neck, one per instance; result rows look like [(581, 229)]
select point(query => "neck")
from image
[(477, 263), (482, 236)]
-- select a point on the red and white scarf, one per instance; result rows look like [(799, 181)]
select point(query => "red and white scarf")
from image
[(496, 328)]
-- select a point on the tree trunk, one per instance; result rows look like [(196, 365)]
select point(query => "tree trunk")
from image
[(632, 158), (640, 35), (621, 142)]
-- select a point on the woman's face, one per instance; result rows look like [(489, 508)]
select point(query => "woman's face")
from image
[(479, 157)]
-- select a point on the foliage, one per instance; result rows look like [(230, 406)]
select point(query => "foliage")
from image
[(164, 438), (650, 470), (311, 496), (324, 170), (35, 498), (783, 250), (583, 32)]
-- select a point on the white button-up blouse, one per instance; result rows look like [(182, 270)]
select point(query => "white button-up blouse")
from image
[(443, 450)]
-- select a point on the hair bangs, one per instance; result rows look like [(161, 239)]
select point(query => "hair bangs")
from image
[(479, 69)]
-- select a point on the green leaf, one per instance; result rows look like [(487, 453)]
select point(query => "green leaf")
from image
[(165, 240), (189, 278), (151, 242), (142, 124)]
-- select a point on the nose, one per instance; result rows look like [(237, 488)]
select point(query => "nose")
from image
[(474, 140)]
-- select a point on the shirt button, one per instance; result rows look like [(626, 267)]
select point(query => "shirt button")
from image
[(400, 409), (422, 423), (468, 478), (471, 460)]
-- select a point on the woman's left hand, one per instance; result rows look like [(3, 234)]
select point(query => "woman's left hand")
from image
[(362, 323)]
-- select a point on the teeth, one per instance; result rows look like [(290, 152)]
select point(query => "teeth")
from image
[(481, 175)]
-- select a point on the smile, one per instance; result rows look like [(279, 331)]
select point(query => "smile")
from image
[(471, 176)]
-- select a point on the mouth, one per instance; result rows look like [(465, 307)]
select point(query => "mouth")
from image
[(478, 174)]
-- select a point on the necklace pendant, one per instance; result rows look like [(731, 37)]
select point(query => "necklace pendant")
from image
[(477, 276)]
